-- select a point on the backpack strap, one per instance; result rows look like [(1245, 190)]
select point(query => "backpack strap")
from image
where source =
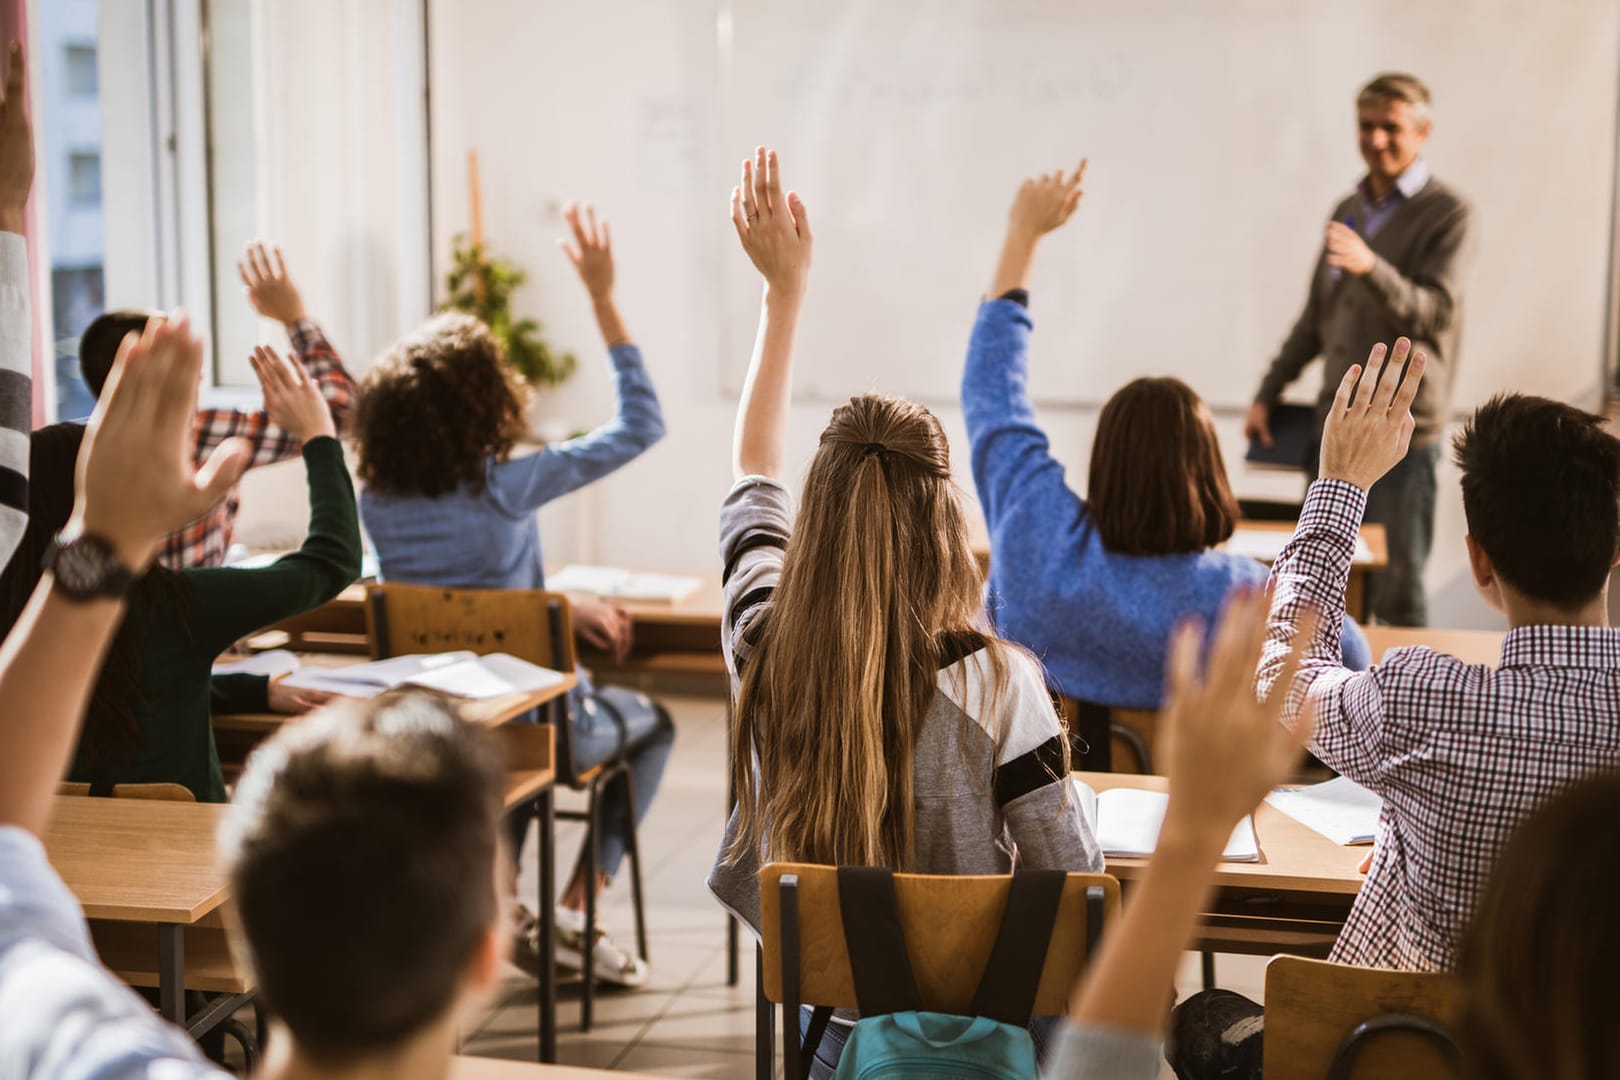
[(1013, 975), (877, 945)]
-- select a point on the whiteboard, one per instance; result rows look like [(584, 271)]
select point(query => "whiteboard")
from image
[(1220, 137)]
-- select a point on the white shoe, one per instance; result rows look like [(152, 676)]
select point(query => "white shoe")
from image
[(610, 961)]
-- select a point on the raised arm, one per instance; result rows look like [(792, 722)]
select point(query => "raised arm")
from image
[(1224, 752), (1366, 435), (16, 310), (1011, 459), (135, 482), (775, 233)]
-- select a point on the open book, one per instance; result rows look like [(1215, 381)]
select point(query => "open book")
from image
[(1340, 809), (612, 583), (463, 674), (1126, 822)]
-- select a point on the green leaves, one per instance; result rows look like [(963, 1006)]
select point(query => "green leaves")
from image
[(483, 287)]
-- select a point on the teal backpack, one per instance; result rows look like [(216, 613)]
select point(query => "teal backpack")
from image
[(895, 1039)]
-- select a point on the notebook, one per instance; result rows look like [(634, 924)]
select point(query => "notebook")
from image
[(1126, 822), (1293, 431), (613, 583), (1340, 809), (462, 674)]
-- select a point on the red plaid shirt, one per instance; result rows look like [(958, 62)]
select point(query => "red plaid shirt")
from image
[(205, 541), (1460, 753)]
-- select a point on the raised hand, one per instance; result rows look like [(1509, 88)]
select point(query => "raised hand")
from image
[(270, 288), (1225, 750), (16, 146), (591, 251), (290, 396), (136, 481), (1045, 202), (1347, 251), (773, 227), (1367, 435)]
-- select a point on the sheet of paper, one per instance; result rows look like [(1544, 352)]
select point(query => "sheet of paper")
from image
[(491, 676), (275, 664), (1127, 821), (1340, 809), (1266, 544)]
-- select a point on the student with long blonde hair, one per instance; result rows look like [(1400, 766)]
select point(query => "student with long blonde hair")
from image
[(875, 724)]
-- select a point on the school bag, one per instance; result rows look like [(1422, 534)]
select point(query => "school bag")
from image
[(895, 1039)]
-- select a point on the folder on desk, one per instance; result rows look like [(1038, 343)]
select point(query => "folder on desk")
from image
[(1126, 822), (1293, 431)]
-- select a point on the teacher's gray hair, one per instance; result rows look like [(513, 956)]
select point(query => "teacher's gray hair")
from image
[(1397, 86)]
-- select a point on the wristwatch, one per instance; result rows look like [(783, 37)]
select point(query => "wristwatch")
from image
[(86, 567)]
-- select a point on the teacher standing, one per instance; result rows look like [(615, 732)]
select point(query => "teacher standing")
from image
[(1390, 266)]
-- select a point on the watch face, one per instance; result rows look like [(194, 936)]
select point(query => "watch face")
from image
[(80, 566)]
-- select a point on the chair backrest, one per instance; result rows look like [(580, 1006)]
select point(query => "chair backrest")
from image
[(950, 924), (526, 623), (162, 792), (1130, 738), (1334, 1020)]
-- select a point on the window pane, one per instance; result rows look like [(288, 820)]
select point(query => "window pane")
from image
[(233, 158), (68, 118)]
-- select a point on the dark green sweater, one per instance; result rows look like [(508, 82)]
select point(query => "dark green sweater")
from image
[(225, 605)]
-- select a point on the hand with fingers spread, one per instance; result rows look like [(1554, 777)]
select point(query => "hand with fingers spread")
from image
[(16, 145), (135, 480), (291, 397), (1347, 251), (270, 288), (1224, 749), (772, 225), (1044, 203), (1370, 426), (591, 250)]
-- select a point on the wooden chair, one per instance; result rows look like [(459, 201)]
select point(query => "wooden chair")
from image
[(162, 792), (1336, 1021), (950, 923), (1108, 735), (531, 625)]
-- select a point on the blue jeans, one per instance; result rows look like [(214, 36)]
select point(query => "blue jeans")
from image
[(1403, 503), (1042, 1029), (596, 736)]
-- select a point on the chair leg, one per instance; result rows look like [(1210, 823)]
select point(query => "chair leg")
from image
[(764, 1024), (633, 849), (1209, 970), (593, 821)]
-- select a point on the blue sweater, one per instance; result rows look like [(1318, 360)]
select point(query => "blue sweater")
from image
[(1098, 620), (491, 539)]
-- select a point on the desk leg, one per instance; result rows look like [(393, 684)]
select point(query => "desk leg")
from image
[(546, 817), (732, 965), (172, 973)]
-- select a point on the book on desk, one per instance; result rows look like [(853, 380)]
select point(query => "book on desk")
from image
[(459, 674), (1126, 822)]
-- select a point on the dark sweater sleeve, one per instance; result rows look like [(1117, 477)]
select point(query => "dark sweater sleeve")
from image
[(228, 603), (239, 694)]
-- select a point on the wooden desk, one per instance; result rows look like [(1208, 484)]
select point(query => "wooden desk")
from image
[(678, 639), (1295, 898), (1469, 646), (141, 861)]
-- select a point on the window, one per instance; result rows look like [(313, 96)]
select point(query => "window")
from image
[(84, 179), (79, 68)]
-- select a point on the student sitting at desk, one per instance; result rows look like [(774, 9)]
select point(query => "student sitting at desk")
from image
[(149, 717), (1094, 585), (363, 850), (875, 725), (446, 503), (1461, 754)]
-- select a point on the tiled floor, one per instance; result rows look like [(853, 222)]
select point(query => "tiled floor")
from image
[(687, 1021)]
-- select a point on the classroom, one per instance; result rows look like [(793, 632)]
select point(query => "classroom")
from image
[(552, 539)]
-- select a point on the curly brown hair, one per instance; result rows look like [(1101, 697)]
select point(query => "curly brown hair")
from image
[(436, 407)]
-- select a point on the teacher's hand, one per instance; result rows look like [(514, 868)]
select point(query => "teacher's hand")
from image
[(1257, 424), (1367, 435), (1347, 251)]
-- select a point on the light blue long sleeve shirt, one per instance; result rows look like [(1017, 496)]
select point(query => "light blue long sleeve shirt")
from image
[(491, 539), (1100, 621)]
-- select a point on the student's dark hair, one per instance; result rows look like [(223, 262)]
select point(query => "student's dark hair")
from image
[(1541, 492), (1158, 481), (436, 407), (112, 732), (1538, 962), (361, 845), (98, 345)]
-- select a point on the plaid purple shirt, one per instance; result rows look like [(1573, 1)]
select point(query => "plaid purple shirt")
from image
[(205, 541), (1460, 753)]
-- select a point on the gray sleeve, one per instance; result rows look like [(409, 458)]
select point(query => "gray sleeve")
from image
[(1423, 298), (1093, 1053), (16, 390), (756, 520)]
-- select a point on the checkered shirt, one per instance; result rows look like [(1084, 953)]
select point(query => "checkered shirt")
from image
[(205, 541), (1460, 753)]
